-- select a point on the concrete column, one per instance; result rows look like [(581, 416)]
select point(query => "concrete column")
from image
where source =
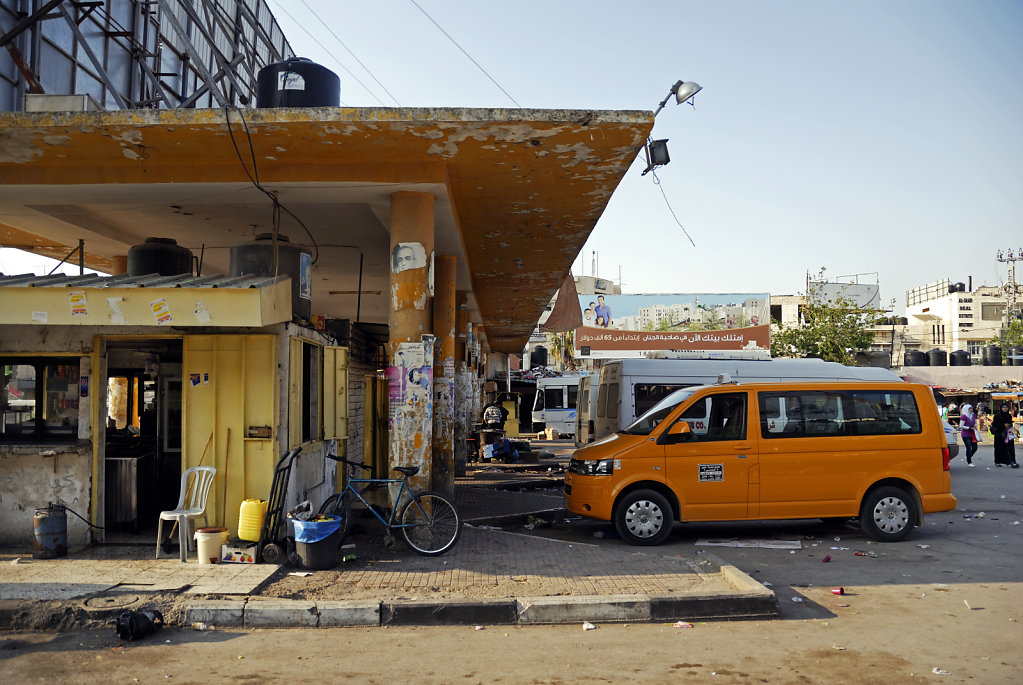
[(463, 418), (410, 375), (445, 268)]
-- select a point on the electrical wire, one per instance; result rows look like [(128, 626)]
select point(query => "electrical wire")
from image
[(657, 182), (253, 176), (354, 56), (465, 53)]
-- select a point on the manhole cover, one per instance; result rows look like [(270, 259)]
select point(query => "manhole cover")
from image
[(111, 601)]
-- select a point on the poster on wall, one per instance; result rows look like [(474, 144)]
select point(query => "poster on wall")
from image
[(718, 325)]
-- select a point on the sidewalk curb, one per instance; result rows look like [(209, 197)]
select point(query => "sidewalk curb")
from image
[(749, 600)]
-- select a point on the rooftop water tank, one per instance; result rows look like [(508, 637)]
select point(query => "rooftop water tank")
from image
[(914, 358), (159, 256), (959, 358), (937, 358), (992, 356), (297, 82), (256, 259)]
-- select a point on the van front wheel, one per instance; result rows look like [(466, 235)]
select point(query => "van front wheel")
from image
[(643, 517), (888, 514)]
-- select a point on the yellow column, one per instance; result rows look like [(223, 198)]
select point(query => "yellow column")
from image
[(410, 374), (444, 374)]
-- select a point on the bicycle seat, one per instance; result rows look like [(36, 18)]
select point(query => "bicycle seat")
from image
[(407, 470)]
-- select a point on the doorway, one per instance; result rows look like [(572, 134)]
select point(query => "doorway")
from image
[(142, 424)]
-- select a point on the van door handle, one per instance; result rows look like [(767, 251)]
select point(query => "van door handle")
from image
[(742, 448)]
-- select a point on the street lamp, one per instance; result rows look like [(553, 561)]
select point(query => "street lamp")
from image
[(657, 150)]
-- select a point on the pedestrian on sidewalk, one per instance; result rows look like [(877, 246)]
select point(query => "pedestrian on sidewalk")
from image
[(969, 432), (1001, 429)]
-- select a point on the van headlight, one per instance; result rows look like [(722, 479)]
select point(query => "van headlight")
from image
[(601, 467)]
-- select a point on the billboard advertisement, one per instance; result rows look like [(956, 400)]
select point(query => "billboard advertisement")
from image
[(723, 325)]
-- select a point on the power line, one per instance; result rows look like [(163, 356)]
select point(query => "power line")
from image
[(342, 44), (465, 53), (657, 182)]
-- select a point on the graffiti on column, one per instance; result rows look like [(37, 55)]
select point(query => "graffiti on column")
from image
[(410, 419)]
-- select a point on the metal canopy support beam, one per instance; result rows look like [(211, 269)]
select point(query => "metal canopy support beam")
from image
[(168, 15), (190, 100), (121, 102), (27, 22), (214, 50)]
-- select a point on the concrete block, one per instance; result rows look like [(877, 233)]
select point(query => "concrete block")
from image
[(594, 608), (280, 613), (349, 613), (448, 612), (223, 612)]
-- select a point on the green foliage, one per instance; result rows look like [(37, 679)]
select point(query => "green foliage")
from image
[(1010, 336), (832, 330)]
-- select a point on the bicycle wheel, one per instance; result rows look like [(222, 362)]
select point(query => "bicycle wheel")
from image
[(430, 523), (331, 507)]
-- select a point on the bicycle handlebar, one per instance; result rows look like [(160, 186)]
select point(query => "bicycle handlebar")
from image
[(356, 464)]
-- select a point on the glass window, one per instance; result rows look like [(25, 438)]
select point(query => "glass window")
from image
[(646, 395), (39, 399), (602, 401), (717, 417), (554, 398), (803, 414), (612, 401), (573, 396)]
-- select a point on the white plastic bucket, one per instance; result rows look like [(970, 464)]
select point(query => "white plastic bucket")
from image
[(209, 542)]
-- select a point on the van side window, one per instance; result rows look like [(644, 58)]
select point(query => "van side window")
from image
[(573, 396), (807, 414), (554, 398), (612, 401), (646, 395), (717, 417), (602, 401)]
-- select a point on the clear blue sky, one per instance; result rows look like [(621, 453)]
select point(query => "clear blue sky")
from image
[(861, 136), (864, 137)]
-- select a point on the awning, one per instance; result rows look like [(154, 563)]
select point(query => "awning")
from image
[(152, 300)]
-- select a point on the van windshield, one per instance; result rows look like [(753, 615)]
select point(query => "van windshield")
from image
[(648, 421)]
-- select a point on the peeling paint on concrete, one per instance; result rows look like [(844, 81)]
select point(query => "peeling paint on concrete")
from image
[(18, 148), (129, 153)]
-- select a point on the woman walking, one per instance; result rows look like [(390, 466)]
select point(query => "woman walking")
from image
[(1001, 428), (968, 429)]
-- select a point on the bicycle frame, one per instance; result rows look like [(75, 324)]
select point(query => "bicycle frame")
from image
[(404, 489)]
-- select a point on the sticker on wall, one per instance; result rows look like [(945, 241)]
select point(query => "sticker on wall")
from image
[(83, 386), (205, 379), (408, 256), (712, 472), (79, 307), (202, 314), (194, 380), (116, 315), (39, 317), (305, 275), (161, 312)]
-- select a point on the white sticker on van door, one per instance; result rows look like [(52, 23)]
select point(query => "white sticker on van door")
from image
[(712, 472)]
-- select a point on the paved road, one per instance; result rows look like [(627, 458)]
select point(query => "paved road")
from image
[(980, 542)]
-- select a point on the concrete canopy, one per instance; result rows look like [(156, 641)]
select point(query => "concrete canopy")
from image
[(517, 192)]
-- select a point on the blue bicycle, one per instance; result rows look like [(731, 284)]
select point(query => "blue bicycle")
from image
[(428, 522)]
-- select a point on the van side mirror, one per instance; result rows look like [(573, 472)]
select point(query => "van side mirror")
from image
[(680, 431)]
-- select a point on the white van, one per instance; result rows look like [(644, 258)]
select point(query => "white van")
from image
[(629, 387), (586, 410), (554, 405)]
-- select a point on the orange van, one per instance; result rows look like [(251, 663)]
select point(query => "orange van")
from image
[(729, 452)]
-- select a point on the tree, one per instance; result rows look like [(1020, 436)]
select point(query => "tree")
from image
[(832, 329), (562, 347), (1010, 335)]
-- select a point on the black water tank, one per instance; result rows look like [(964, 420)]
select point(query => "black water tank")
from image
[(256, 259), (992, 356), (538, 357), (937, 358), (914, 358), (159, 256), (1017, 353), (297, 82), (959, 358)]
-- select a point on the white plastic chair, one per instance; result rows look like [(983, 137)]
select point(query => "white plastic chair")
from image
[(195, 487)]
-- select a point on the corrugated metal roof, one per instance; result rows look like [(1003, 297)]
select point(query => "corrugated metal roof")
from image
[(126, 281)]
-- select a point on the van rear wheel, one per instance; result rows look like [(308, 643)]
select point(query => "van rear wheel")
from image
[(888, 514), (643, 517)]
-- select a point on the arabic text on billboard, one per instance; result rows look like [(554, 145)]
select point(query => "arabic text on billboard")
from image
[(734, 325)]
